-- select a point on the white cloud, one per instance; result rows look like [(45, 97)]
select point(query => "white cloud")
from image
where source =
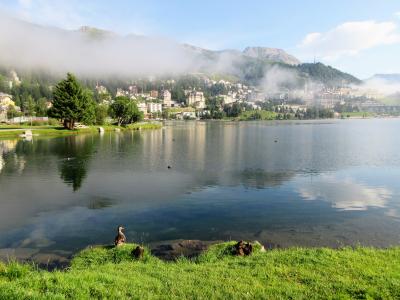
[(25, 3), (350, 38), (397, 14)]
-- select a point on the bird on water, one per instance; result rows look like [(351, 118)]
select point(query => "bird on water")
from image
[(120, 239)]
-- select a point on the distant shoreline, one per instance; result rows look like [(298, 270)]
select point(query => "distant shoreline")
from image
[(15, 131)]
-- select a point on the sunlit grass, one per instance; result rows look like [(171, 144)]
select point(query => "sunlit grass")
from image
[(7, 131), (317, 273)]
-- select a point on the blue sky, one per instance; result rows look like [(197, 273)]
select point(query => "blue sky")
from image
[(360, 37)]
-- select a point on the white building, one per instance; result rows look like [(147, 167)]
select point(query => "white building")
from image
[(101, 89), (153, 107), (167, 100), (142, 107), (227, 99), (5, 103), (196, 99)]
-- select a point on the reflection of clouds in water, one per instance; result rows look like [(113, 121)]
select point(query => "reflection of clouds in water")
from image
[(2, 162), (345, 194), (37, 238), (393, 213), (48, 227)]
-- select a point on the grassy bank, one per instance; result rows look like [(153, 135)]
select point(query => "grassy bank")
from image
[(258, 115), (360, 114), (7, 131), (362, 273)]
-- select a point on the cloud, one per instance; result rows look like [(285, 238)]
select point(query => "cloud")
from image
[(350, 38), (276, 79), (397, 14), (28, 46)]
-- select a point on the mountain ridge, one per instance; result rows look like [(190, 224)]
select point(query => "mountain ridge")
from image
[(92, 52)]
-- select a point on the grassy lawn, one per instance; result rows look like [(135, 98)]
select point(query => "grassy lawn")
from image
[(7, 131), (318, 273), (360, 114), (258, 115)]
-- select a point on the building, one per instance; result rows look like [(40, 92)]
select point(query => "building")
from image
[(5, 103), (153, 107), (227, 99), (196, 99), (121, 92), (167, 100), (133, 90), (142, 107), (101, 89), (154, 94)]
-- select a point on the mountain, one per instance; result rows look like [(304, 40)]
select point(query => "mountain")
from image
[(271, 54), (95, 53), (96, 32), (327, 74)]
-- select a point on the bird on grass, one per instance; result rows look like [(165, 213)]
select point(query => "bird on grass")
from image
[(120, 239)]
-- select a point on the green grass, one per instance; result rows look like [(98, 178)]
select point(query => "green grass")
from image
[(360, 114), (7, 131), (257, 115), (317, 273), (144, 126)]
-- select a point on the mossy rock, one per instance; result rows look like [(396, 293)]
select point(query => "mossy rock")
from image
[(224, 250), (99, 255)]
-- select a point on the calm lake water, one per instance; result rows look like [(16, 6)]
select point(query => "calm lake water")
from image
[(311, 183)]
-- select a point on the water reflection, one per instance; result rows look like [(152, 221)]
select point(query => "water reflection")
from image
[(345, 194), (75, 153), (319, 184)]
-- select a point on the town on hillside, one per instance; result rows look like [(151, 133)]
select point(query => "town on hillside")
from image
[(199, 97)]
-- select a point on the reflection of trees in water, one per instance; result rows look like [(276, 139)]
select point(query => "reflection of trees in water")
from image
[(248, 178), (259, 178), (9, 160), (75, 153)]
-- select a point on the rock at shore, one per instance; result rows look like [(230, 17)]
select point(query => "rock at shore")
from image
[(186, 248)]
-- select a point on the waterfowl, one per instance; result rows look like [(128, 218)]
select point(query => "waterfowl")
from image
[(120, 239)]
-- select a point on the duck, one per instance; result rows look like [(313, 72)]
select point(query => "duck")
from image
[(120, 239)]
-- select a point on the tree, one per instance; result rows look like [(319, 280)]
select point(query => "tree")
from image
[(72, 103), (101, 114), (12, 112), (30, 106), (125, 111), (233, 110), (41, 107)]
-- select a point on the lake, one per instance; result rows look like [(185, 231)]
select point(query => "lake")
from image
[(301, 183)]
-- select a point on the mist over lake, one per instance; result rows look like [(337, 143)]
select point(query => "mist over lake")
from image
[(310, 183)]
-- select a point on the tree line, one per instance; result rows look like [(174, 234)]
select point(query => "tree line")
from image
[(73, 103)]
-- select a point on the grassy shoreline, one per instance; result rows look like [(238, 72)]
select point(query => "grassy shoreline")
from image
[(13, 131), (299, 273)]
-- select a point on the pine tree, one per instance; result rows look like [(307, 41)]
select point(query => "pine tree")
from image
[(71, 102)]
